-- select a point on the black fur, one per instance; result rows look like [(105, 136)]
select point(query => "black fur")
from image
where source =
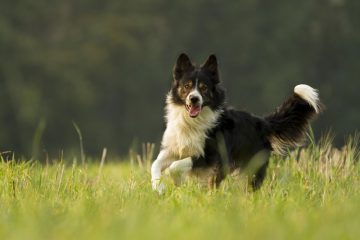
[(241, 140)]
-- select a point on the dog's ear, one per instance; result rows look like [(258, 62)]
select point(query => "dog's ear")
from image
[(182, 65), (211, 65)]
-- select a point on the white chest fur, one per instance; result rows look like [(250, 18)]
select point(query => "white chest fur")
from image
[(185, 136)]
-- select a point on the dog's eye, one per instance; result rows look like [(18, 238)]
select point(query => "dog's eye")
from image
[(203, 88), (187, 86)]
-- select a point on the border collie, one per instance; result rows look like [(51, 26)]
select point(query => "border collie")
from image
[(203, 134)]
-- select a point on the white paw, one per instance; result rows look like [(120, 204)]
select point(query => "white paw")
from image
[(158, 186), (174, 169)]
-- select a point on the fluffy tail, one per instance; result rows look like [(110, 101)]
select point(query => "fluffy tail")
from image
[(288, 124)]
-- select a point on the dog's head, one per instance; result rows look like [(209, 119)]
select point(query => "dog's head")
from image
[(196, 87)]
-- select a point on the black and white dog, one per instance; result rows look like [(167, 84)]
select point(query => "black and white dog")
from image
[(203, 134)]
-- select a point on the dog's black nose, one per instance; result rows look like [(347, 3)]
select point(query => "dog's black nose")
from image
[(194, 99)]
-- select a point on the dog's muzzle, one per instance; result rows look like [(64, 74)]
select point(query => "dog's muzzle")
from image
[(194, 104)]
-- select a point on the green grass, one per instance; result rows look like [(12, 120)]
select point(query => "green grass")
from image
[(313, 193)]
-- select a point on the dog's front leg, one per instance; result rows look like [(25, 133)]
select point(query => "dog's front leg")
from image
[(162, 162), (178, 168)]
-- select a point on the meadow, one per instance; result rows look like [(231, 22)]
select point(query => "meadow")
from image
[(311, 193)]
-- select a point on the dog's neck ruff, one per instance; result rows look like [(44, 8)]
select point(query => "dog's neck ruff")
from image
[(185, 136)]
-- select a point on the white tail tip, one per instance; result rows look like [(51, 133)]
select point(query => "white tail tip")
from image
[(309, 94)]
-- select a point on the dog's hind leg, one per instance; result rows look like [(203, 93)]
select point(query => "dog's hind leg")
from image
[(258, 178), (256, 169), (217, 177)]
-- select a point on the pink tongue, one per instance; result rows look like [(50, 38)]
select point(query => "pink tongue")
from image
[(194, 111)]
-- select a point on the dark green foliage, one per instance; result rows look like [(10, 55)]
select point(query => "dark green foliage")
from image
[(106, 65)]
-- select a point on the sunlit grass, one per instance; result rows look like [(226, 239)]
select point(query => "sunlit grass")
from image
[(313, 193)]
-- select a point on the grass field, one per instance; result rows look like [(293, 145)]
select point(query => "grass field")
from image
[(313, 193)]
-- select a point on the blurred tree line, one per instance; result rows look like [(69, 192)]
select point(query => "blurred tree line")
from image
[(106, 65)]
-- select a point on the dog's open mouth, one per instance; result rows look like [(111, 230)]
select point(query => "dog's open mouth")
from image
[(193, 110)]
